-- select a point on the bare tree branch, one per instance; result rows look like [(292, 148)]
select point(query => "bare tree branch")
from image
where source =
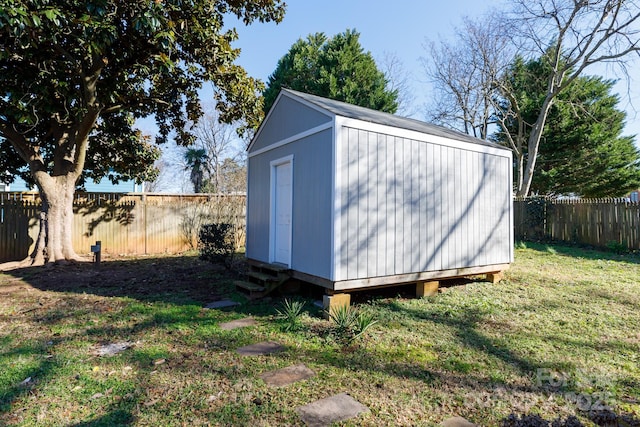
[(399, 79), (601, 31)]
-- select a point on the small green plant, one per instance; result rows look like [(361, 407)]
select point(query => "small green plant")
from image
[(216, 243), (290, 313), (363, 322), (521, 245), (350, 323), (617, 247), (343, 317)]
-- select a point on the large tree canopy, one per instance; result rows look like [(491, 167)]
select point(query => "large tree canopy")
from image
[(336, 68), (74, 76), (581, 150)]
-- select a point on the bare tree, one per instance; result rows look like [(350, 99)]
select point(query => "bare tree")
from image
[(220, 142), (471, 75), (156, 185), (571, 35), (234, 173), (400, 80), (463, 74)]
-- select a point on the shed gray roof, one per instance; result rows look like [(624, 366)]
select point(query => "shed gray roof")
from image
[(366, 114)]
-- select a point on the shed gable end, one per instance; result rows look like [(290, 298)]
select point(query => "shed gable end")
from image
[(287, 118)]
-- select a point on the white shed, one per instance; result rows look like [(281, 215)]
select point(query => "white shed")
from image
[(349, 198)]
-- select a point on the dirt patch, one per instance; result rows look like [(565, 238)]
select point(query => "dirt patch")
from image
[(147, 278)]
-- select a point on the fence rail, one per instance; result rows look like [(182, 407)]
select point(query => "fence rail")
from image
[(595, 222), (130, 223)]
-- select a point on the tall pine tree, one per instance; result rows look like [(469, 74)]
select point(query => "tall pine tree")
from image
[(336, 68)]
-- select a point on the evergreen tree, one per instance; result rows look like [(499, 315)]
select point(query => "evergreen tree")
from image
[(196, 159), (582, 150), (336, 68)]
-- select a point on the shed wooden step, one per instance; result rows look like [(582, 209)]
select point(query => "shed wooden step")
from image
[(262, 277), (274, 267), (248, 286)]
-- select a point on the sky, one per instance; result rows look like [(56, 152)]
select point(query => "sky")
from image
[(399, 28), (400, 31)]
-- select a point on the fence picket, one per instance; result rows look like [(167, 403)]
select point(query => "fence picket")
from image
[(125, 223), (595, 222)]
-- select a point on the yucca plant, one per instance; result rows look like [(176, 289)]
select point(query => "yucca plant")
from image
[(290, 312), (343, 318), (350, 323), (363, 322)]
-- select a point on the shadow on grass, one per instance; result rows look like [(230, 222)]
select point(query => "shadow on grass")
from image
[(184, 287), (32, 374), (164, 292), (39, 362), (117, 417), (575, 251), (465, 327), (173, 279)]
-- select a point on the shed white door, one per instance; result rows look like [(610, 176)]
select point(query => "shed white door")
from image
[(282, 211)]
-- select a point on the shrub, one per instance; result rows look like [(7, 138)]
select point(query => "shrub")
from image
[(617, 247), (216, 243)]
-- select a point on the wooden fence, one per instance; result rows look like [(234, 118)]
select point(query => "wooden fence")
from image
[(125, 223), (613, 223)]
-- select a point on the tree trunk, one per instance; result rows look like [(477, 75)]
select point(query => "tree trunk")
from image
[(519, 171), (533, 146), (54, 242)]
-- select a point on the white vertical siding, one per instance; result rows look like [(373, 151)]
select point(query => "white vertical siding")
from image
[(379, 144), (404, 168), (340, 222), (372, 208), (364, 194), (475, 166), (423, 205), (446, 199), (388, 197), (352, 200), (430, 218), (408, 206)]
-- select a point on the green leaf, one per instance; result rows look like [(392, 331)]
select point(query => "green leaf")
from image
[(50, 14)]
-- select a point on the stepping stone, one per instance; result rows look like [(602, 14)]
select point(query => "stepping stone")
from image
[(113, 348), (326, 411), (224, 303), (286, 376), (457, 422), (238, 323), (266, 347)]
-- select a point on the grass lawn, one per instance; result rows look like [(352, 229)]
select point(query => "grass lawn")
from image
[(558, 337)]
